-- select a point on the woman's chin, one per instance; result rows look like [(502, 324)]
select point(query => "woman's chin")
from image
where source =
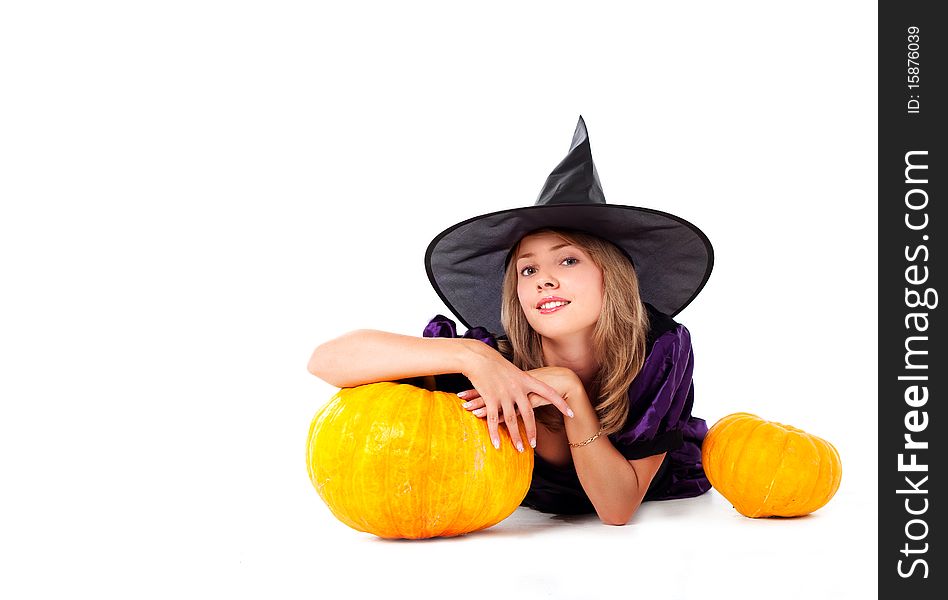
[(554, 331)]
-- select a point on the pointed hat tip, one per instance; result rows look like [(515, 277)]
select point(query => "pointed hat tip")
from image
[(580, 135)]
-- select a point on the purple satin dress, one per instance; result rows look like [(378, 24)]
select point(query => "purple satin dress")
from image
[(661, 397)]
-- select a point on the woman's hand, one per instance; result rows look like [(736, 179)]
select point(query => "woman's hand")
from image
[(560, 380), (500, 386)]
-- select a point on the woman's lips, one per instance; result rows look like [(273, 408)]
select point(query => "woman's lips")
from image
[(546, 311), (558, 303)]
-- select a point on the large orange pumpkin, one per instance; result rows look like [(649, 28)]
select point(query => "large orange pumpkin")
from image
[(769, 469), (399, 461)]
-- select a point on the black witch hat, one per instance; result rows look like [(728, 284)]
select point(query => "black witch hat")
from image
[(466, 261)]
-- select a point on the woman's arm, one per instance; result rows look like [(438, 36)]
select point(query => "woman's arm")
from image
[(615, 485), (368, 356)]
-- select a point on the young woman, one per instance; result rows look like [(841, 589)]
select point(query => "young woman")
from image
[(600, 377)]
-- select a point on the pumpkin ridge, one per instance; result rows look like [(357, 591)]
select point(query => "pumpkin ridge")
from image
[(328, 487), (770, 490), (359, 495), (456, 524), (412, 500), (837, 468), (338, 489), (310, 450), (752, 437), (483, 474), (494, 468), (322, 416), (468, 474), (423, 433), (472, 427), (818, 479), (830, 456), (504, 470), (445, 417), (440, 411), (487, 473), (511, 467), (385, 504), (395, 416), (745, 438), (498, 469), (737, 425)]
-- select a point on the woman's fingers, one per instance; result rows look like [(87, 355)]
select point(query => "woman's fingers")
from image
[(473, 404), (509, 410), (471, 399), (553, 396), (492, 420), (510, 420), (526, 412)]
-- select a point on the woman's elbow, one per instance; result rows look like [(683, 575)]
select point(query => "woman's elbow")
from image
[(324, 361), (618, 518), (331, 360), (316, 365)]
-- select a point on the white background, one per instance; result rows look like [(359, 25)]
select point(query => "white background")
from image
[(195, 194)]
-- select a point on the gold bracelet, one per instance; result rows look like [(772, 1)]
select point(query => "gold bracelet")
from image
[(584, 442)]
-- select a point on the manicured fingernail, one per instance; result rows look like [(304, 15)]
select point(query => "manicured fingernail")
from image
[(569, 411), (496, 443), (462, 394), (519, 447), (468, 404), (533, 443), (479, 412)]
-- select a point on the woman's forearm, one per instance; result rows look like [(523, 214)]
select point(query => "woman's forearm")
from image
[(606, 476), (368, 356)]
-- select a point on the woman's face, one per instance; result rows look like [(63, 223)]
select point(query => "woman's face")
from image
[(560, 288)]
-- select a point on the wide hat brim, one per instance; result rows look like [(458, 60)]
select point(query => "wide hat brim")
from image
[(465, 262)]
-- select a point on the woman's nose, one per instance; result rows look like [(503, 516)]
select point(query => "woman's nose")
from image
[(546, 282)]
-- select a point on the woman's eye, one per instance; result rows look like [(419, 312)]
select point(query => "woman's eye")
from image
[(575, 260), (524, 270)]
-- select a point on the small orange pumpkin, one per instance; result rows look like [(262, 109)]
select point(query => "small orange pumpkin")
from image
[(769, 469), (399, 461)]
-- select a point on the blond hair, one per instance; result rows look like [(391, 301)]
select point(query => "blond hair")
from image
[(618, 337)]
